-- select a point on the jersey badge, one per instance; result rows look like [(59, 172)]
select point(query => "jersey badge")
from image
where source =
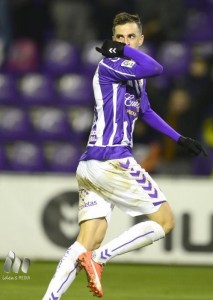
[(128, 63)]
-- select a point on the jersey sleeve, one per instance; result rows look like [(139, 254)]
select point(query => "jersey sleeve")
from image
[(149, 116), (156, 122), (146, 66), (116, 70), (137, 65)]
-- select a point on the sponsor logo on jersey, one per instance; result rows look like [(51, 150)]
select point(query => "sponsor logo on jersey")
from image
[(131, 101), (132, 104)]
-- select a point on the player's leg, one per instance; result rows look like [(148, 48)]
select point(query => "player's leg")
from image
[(136, 193), (164, 217), (92, 233), (65, 273), (142, 197), (138, 236), (94, 214), (90, 236)]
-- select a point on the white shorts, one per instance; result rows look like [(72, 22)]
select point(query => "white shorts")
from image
[(119, 182)]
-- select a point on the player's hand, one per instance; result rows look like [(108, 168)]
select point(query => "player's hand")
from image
[(192, 146), (111, 49)]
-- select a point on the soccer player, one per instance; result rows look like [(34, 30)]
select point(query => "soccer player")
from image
[(107, 173)]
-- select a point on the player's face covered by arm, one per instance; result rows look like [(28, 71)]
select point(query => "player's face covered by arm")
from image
[(126, 40)]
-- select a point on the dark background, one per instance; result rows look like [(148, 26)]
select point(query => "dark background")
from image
[(47, 60)]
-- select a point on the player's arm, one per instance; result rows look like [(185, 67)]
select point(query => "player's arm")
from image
[(155, 121), (146, 66)]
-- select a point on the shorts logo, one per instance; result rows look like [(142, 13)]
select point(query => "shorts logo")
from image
[(88, 204), (14, 263), (82, 195)]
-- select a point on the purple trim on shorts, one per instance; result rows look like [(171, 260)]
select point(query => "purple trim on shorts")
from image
[(154, 194), (142, 180), (145, 184), (135, 173), (125, 165), (158, 203), (140, 236)]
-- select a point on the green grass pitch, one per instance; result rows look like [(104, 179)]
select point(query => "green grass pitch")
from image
[(120, 282)]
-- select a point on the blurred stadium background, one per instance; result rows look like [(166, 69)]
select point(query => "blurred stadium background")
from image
[(47, 60)]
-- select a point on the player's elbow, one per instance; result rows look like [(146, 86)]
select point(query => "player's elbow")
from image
[(149, 70), (159, 69), (156, 70)]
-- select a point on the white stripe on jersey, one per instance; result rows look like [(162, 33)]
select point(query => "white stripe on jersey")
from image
[(125, 140), (100, 117), (133, 125), (101, 122), (116, 71), (114, 100)]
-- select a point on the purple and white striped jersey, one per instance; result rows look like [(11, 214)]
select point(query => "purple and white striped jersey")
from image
[(120, 98)]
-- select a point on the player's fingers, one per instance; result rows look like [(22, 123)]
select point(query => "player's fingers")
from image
[(199, 151), (98, 49), (204, 152)]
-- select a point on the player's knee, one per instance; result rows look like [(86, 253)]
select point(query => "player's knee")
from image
[(169, 224), (90, 244), (95, 244)]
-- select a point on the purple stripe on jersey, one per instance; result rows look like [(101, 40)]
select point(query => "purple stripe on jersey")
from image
[(107, 95), (93, 137), (144, 105), (113, 96), (105, 153), (120, 99)]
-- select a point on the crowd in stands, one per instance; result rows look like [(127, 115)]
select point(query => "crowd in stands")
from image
[(47, 60)]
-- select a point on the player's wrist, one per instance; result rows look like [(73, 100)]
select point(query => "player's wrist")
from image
[(111, 49), (182, 140)]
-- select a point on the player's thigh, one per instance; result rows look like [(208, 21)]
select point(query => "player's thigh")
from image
[(163, 216), (92, 233), (122, 182), (129, 187)]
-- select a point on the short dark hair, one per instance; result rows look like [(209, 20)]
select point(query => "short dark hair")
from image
[(123, 18)]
